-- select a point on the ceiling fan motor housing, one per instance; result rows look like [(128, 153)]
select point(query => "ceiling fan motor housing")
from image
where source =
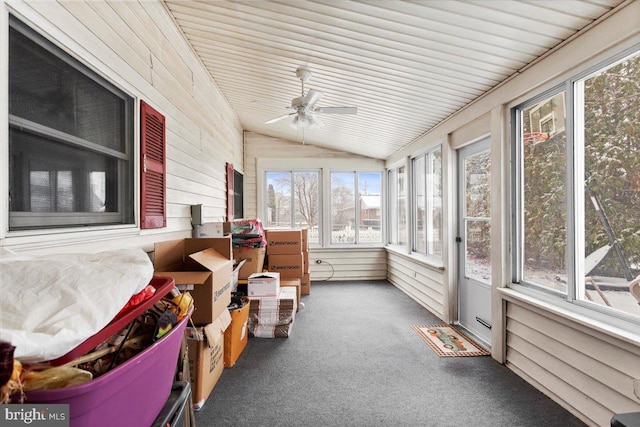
[(303, 73)]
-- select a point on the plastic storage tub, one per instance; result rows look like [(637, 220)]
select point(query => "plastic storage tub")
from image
[(163, 286), (130, 395), (174, 412)]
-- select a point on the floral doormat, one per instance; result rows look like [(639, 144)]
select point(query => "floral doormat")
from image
[(447, 341)]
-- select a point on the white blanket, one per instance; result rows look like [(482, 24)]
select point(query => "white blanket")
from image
[(51, 304)]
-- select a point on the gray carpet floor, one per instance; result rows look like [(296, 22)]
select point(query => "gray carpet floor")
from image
[(353, 360)]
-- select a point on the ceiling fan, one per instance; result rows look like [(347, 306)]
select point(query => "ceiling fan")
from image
[(304, 106)]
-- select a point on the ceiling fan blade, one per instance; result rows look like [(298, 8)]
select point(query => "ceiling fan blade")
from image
[(311, 98), (336, 110), (277, 119)]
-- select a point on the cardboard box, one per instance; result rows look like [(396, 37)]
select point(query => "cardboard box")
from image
[(215, 229), (305, 284), (305, 260), (295, 283), (236, 335), (201, 266), (305, 240), (284, 242), (254, 260), (289, 266), (206, 357), (273, 317), (263, 284)]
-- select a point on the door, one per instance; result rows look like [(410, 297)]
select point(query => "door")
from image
[(474, 240)]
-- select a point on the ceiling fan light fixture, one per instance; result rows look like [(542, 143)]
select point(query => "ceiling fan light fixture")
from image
[(305, 121)]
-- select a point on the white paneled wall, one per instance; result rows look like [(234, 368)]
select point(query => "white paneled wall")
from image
[(421, 282), (587, 372), (137, 46), (348, 264)]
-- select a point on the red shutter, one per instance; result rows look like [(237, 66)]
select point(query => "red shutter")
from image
[(153, 193), (230, 191)]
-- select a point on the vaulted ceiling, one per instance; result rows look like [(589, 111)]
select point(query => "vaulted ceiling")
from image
[(405, 65)]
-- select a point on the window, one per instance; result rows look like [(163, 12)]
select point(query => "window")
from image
[(544, 197), (292, 201), (578, 191), (70, 140), (427, 185), (397, 206), (356, 214), (238, 195)]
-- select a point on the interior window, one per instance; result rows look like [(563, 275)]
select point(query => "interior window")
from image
[(292, 201), (70, 139), (427, 218), (577, 191), (356, 215)]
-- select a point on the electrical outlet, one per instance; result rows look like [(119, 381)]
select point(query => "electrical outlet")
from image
[(636, 388), (318, 261)]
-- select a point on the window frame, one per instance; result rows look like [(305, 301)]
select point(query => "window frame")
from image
[(19, 223), (264, 208), (394, 214), (358, 212), (575, 200), (426, 157), (238, 195)]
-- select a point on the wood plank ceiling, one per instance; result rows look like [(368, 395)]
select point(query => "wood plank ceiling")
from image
[(406, 65)]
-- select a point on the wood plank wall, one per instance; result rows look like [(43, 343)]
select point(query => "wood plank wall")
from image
[(136, 45), (587, 372)]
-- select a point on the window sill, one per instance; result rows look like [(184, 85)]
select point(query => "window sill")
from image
[(425, 260), (623, 330), (347, 246), (22, 241)]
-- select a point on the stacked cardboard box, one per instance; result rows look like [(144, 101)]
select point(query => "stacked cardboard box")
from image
[(201, 266), (273, 316), (206, 357), (305, 281), (295, 283), (284, 253)]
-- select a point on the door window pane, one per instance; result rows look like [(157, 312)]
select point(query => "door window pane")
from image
[(477, 215)]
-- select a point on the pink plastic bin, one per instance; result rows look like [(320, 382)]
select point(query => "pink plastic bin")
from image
[(130, 395), (162, 285)]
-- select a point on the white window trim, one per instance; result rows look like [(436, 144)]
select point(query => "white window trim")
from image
[(325, 165), (614, 323), (49, 239), (430, 258), (357, 244)]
